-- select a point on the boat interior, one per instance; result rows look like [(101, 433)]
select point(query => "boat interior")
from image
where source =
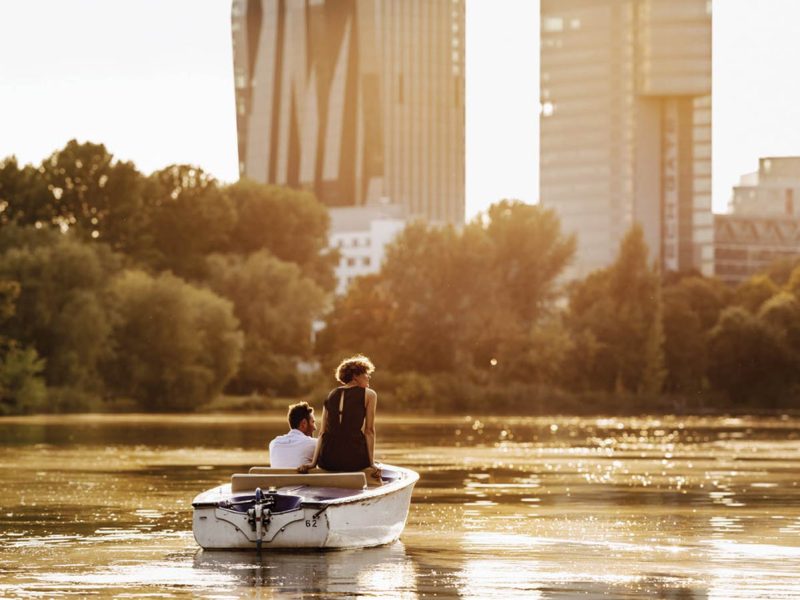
[(316, 485)]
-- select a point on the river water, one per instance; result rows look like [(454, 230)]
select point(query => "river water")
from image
[(511, 507)]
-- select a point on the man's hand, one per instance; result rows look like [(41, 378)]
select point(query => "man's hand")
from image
[(303, 469)]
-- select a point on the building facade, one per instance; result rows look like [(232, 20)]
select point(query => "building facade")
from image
[(747, 244), (356, 100), (764, 224), (361, 234), (773, 190), (626, 127)]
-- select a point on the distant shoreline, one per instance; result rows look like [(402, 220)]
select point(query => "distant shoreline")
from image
[(387, 416)]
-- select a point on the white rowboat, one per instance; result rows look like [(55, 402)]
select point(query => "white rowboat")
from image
[(279, 508)]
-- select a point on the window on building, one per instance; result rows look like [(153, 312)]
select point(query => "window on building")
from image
[(365, 261), (551, 24), (351, 262)]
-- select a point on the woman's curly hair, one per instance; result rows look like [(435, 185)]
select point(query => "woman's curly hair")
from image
[(352, 367)]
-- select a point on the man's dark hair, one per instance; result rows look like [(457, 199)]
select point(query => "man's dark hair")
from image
[(298, 412)]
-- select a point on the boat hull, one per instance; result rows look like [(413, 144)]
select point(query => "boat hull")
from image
[(373, 517)]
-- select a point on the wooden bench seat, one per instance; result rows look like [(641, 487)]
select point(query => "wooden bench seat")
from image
[(242, 482)]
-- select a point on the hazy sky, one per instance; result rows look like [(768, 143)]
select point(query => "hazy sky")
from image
[(152, 79)]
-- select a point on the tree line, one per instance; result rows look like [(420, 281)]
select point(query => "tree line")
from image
[(164, 290), (477, 320)]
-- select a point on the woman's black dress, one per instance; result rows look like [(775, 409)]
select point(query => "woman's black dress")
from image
[(344, 447)]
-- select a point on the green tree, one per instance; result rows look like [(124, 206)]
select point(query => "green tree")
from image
[(782, 314), (529, 251), (59, 312), (450, 301), (781, 270), (443, 299), (80, 188), (175, 345), (618, 310), (707, 298), (24, 197), (748, 360), (358, 323), (692, 305), (191, 218), (292, 224), (276, 305), (21, 388), (793, 283), (685, 354), (754, 292)]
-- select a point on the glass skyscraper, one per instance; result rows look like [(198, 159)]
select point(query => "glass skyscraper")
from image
[(360, 101)]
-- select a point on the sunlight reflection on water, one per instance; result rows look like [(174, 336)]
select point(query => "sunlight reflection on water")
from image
[(506, 507)]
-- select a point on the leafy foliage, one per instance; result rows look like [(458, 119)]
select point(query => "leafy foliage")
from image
[(59, 311), (616, 313), (276, 305), (21, 388), (191, 217), (82, 229), (748, 359), (175, 345), (167, 288), (441, 303)]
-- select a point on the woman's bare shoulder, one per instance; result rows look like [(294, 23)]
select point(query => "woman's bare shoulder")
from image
[(371, 394)]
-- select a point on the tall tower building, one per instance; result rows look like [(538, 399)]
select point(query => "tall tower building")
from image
[(626, 126), (361, 101)]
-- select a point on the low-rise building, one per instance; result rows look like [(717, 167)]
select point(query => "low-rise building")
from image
[(773, 190), (361, 234), (748, 244), (764, 223)]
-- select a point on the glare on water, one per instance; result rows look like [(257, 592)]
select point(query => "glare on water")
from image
[(506, 508)]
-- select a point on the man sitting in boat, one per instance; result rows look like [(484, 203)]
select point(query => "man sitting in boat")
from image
[(295, 448)]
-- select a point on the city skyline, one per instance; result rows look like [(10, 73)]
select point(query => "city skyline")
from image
[(64, 75)]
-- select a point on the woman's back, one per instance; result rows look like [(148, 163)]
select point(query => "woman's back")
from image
[(344, 447)]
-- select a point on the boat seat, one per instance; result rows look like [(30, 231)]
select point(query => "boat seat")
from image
[(371, 481), (250, 481), (279, 471)]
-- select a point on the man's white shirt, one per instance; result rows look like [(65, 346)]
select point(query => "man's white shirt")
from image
[(291, 450)]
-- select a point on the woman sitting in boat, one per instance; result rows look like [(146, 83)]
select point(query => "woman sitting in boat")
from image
[(347, 435)]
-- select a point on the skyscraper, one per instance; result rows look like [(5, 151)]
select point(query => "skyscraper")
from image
[(626, 126), (361, 101)]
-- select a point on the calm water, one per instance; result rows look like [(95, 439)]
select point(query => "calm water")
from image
[(506, 508)]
